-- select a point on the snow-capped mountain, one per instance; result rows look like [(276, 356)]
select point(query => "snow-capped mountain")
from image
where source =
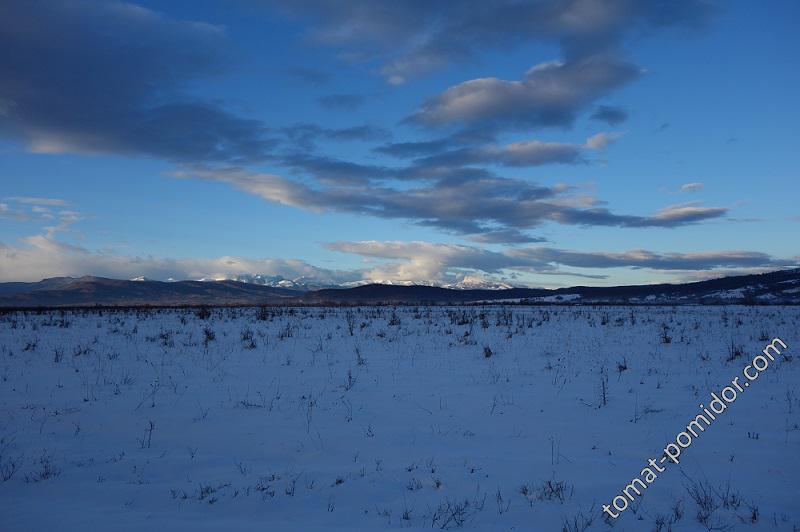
[(471, 282), (779, 287), (310, 283), (278, 281)]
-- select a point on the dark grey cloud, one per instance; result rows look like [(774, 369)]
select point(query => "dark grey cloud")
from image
[(413, 37), (110, 77), (506, 236), (333, 170), (672, 216), (610, 115), (406, 150), (349, 102), (305, 135), (651, 260), (417, 36), (471, 207), (562, 273), (456, 140), (455, 166)]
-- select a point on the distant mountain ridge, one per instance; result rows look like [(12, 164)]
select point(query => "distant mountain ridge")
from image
[(82, 291), (309, 283), (278, 281), (779, 287)]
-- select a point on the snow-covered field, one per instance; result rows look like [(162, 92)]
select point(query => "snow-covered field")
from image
[(379, 418)]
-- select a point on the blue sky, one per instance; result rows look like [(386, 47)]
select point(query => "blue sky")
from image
[(542, 143)]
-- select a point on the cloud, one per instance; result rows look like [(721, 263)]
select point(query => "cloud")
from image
[(94, 77), (473, 206), (332, 170), (456, 140), (653, 260), (691, 187), (29, 200), (11, 213), (404, 150), (523, 153), (414, 261), (305, 135), (610, 115), (328, 169), (688, 212), (43, 256), (36, 209), (602, 141), (452, 162), (422, 260), (683, 189), (549, 94), (505, 236), (414, 37), (348, 102), (64, 219), (520, 153)]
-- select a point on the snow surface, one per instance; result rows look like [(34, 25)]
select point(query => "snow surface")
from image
[(379, 418)]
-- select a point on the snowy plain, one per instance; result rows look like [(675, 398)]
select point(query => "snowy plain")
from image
[(383, 418)]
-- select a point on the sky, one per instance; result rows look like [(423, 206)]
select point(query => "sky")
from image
[(532, 143)]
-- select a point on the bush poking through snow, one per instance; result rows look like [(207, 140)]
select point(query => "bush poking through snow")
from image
[(578, 523), (451, 514)]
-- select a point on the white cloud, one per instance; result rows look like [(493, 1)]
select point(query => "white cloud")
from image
[(43, 256), (31, 200), (687, 212), (521, 153), (443, 262), (28, 208), (691, 187), (549, 94), (601, 141)]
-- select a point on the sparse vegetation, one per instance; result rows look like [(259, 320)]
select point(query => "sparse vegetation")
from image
[(435, 408)]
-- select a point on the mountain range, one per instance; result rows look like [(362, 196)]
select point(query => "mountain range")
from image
[(779, 287), (308, 283)]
